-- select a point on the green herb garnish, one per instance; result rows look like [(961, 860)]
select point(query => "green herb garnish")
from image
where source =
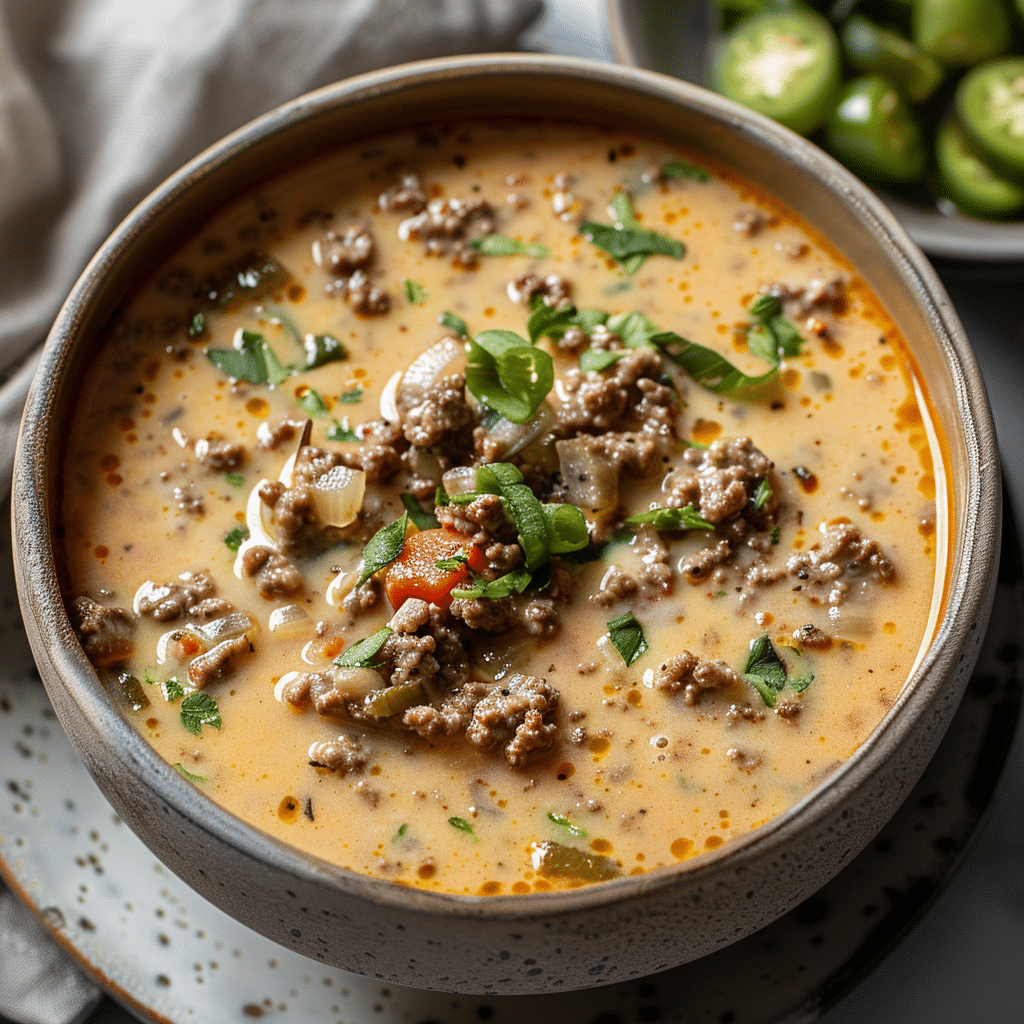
[(199, 709), (312, 403), (676, 170), (235, 479), (384, 547), (420, 519), (234, 538), (599, 359), (182, 770), (414, 292), (563, 822), (341, 431), (686, 518), (776, 534), (251, 360), (173, 690), (502, 245), (464, 826), (453, 563), (627, 635), (198, 325), (514, 582), (766, 672), (508, 374), (627, 242), (772, 336), (762, 494), (362, 653), (321, 349), (454, 323), (353, 397)]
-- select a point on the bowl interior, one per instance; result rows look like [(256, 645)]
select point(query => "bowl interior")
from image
[(801, 176)]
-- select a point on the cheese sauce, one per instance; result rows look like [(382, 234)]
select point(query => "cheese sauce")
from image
[(637, 765)]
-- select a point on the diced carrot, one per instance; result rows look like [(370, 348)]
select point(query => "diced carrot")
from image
[(415, 572)]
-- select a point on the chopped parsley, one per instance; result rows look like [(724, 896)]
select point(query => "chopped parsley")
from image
[(562, 821), (627, 241), (627, 636), (234, 538), (199, 709), (414, 292), (502, 245), (464, 826), (766, 672), (454, 323), (341, 431), (198, 325), (363, 653), (312, 403), (192, 777), (762, 495), (235, 479), (676, 170)]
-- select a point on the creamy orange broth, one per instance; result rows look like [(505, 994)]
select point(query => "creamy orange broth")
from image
[(647, 779)]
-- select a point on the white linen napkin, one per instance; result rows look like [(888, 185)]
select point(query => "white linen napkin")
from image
[(102, 99), (99, 101)]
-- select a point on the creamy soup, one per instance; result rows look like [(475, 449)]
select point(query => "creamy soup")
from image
[(505, 507)]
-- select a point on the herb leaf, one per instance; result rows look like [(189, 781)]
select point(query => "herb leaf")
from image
[(454, 323), (628, 637), (420, 519), (313, 403), (502, 245), (414, 292), (199, 709), (628, 243), (508, 374), (567, 529), (464, 826), (713, 371), (173, 690), (563, 822), (633, 328), (362, 653), (245, 361), (353, 397), (675, 170), (599, 359), (182, 770), (384, 547), (766, 672), (514, 582), (321, 349), (233, 539), (762, 494), (772, 336), (341, 431), (235, 479), (686, 518), (197, 326)]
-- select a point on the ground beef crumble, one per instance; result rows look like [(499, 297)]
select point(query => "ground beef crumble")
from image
[(344, 755), (687, 674), (105, 632), (192, 592), (514, 715), (273, 573), (844, 553), (219, 661), (218, 454)]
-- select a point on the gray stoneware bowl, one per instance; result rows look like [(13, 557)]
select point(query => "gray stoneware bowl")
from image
[(544, 941)]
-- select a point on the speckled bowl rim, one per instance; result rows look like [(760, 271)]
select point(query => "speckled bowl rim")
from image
[(971, 574)]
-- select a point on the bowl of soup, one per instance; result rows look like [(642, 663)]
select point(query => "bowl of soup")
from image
[(507, 523)]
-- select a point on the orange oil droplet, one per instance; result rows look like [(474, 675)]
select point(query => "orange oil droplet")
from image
[(681, 848), (705, 431), (258, 407)]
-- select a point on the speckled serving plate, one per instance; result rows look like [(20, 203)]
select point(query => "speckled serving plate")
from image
[(168, 955)]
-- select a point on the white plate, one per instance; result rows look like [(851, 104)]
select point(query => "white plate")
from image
[(168, 955)]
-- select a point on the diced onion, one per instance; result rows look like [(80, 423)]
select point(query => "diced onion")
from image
[(257, 519), (168, 646), (338, 495), (149, 591), (388, 401), (353, 682), (289, 621), (591, 482), (514, 437), (226, 628), (283, 683), (341, 586), (425, 370), (460, 480)]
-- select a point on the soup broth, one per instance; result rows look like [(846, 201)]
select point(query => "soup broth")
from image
[(503, 507)]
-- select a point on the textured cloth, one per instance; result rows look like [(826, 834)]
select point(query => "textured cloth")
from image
[(102, 99), (99, 101)]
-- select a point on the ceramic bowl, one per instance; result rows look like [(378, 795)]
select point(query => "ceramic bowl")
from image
[(543, 941)]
